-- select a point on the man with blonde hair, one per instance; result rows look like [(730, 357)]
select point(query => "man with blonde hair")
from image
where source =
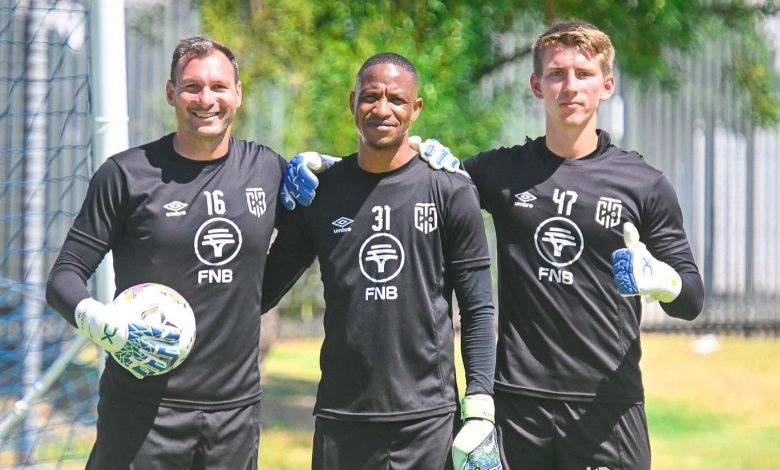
[(569, 209)]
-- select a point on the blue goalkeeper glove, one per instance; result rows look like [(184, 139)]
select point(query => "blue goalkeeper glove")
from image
[(138, 347), (637, 272), (476, 446), (437, 155), (300, 178)]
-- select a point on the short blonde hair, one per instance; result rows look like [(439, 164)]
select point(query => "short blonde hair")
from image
[(579, 35)]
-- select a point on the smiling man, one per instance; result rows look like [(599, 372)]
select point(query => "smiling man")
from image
[(195, 211), (394, 238)]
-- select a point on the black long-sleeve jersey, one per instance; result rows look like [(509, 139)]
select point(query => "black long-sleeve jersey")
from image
[(564, 331), (202, 228), (392, 247)]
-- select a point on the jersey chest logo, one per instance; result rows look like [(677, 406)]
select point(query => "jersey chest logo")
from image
[(608, 211), (255, 201), (381, 257), (426, 219), (217, 241), (559, 241)]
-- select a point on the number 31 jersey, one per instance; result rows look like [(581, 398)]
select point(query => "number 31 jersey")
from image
[(386, 245)]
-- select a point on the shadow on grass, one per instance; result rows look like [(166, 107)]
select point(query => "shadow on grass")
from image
[(287, 403)]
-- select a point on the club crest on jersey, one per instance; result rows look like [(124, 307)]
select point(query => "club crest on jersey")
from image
[(524, 199), (255, 200), (608, 211), (175, 209), (381, 257), (217, 241), (425, 218), (559, 241)]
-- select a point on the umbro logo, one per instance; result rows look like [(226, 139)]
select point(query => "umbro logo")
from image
[(523, 199), (175, 209), (343, 225)]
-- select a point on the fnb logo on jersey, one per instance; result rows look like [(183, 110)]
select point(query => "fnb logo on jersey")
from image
[(608, 211), (381, 257), (558, 241), (425, 218), (217, 242), (255, 201)]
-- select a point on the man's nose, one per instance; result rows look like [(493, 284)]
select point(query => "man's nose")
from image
[(206, 96), (382, 107), (570, 82)]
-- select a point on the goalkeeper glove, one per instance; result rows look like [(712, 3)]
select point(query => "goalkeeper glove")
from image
[(476, 446), (137, 346), (300, 180), (637, 272), (437, 155)]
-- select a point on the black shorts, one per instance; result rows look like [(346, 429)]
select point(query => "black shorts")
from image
[(423, 443), (569, 435), (132, 436)]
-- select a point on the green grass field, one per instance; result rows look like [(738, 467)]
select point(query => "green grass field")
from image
[(706, 412)]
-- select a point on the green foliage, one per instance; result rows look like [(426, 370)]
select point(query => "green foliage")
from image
[(299, 57)]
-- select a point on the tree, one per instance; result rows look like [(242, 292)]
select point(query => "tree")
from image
[(299, 57)]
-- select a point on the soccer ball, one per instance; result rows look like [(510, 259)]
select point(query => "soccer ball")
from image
[(160, 305)]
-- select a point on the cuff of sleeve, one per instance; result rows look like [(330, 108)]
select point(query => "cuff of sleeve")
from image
[(478, 406)]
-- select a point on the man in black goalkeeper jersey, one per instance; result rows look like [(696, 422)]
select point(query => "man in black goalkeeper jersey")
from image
[(394, 238), (572, 212), (195, 211)]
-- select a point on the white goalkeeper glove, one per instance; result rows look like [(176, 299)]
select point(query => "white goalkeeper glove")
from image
[(476, 446), (138, 347), (637, 272), (437, 155), (300, 178)]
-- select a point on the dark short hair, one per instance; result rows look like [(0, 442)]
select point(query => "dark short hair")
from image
[(389, 58), (200, 47)]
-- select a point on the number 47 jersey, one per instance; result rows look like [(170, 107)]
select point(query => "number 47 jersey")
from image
[(386, 244), (564, 330)]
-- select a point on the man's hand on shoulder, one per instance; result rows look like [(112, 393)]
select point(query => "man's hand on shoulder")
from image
[(437, 155), (300, 181)]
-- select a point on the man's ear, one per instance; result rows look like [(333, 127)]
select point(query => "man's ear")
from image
[(418, 104), (536, 86), (352, 102), (608, 89), (169, 89)]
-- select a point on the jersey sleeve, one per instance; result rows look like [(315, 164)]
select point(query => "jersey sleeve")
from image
[(468, 262), (663, 233), (474, 291), (88, 240), (465, 242), (291, 253)]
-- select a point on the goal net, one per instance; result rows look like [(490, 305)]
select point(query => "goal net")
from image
[(48, 382)]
